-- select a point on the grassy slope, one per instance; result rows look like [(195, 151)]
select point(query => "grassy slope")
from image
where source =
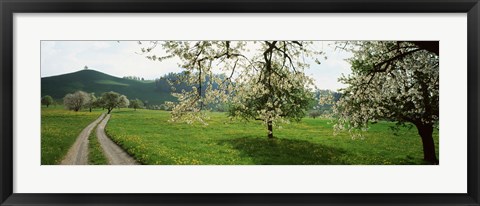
[(151, 139), (97, 82), (60, 128)]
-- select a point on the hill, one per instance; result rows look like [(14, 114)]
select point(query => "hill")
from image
[(156, 92), (98, 82)]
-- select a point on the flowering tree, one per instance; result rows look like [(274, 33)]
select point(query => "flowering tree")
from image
[(262, 79), (76, 100), (111, 100), (279, 95), (394, 81), (91, 101), (123, 101)]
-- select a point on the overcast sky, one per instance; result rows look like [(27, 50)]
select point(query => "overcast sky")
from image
[(122, 59)]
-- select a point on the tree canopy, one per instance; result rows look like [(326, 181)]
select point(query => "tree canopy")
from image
[(111, 100), (267, 76), (91, 101), (390, 80), (76, 100), (136, 103), (47, 100)]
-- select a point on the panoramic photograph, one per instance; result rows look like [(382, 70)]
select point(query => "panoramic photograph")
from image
[(265, 102)]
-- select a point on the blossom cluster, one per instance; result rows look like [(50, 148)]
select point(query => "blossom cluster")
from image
[(260, 79), (387, 84)]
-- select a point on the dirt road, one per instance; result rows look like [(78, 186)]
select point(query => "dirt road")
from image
[(78, 153), (114, 154)]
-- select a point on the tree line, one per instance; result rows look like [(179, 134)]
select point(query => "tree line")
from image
[(134, 78), (83, 100)]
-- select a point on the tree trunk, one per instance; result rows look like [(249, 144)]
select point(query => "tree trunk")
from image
[(47, 105), (90, 109), (109, 110), (270, 129), (425, 132)]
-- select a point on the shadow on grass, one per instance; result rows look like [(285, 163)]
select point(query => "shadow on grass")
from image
[(285, 151)]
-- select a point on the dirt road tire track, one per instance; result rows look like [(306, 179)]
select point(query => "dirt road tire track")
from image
[(114, 153), (78, 153)]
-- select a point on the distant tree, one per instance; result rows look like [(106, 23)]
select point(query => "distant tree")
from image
[(134, 78), (55, 103), (100, 103), (85, 67), (124, 102), (91, 102), (47, 100), (324, 101), (111, 100), (76, 100), (136, 103), (314, 114)]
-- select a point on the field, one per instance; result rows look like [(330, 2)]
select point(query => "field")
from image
[(60, 128), (151, 139)]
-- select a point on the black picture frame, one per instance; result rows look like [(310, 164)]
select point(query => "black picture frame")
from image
[(10, 7)]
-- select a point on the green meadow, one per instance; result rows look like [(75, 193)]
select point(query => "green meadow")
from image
[(60, 129), (151, 139)]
